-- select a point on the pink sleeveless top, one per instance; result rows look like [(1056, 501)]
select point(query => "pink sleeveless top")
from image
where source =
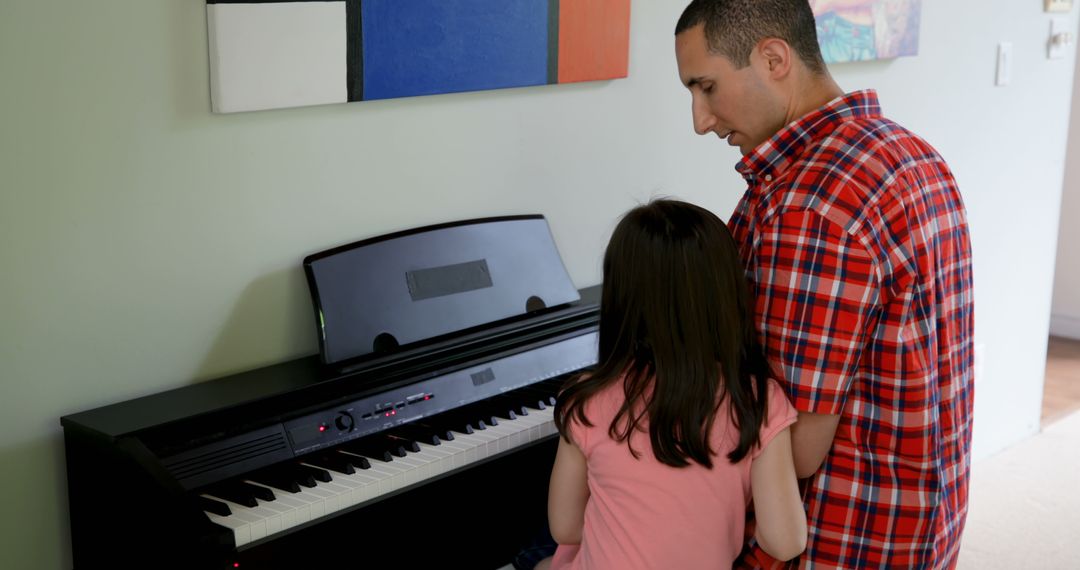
[(644, 514)]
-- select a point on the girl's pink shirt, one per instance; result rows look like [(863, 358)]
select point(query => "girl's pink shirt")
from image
[(644, 514)]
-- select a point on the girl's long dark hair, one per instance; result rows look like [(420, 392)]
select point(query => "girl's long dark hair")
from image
[(676, 321)]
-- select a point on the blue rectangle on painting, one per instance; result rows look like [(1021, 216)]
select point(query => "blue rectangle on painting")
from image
[(423, 47)]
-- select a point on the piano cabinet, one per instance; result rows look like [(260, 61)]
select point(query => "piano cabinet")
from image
[(126, 515)]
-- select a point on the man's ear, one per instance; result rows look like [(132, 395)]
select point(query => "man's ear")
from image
[(777, 57)]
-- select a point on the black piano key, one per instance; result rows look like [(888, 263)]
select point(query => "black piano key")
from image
[(216, 507), (513, 402), (408, 444), (419, 433), (356, 461), (317, 473), (479, 415), (451, 422), (444, 428), (287, 476), (234, 491), (260, 492), (553, 386), (537, 398), (276, 478), (332, 462), (369, 447), (498, 408)]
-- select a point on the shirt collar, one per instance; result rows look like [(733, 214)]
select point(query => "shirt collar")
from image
[(773, 156)]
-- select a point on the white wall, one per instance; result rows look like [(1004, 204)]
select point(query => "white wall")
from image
[(1065, 319), (147, 244)]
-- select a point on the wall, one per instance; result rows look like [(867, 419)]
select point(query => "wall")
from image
[(146, 244), (1065, 318)]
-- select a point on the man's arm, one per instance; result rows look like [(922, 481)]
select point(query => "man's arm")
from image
[(811, 439), (816, 302)]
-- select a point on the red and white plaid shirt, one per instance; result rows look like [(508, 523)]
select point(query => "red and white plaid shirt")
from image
[(855, 239)]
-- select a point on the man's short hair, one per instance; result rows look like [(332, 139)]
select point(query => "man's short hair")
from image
[(734, 27)]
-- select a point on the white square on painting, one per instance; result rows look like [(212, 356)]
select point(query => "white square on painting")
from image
[(276, 54)]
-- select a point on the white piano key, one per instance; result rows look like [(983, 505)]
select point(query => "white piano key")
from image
[(412, 468), (347, 490), (240, 529), (324, 503)]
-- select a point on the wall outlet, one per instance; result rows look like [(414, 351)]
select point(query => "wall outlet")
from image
[(1058, 5)]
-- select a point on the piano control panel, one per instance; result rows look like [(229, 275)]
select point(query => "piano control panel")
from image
[(443, 392)]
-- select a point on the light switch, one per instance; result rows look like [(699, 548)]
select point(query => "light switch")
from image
[(1004, 64), (1058, 5), (1061, 39)]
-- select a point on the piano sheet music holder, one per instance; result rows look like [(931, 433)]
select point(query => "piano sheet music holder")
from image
[(421, 433)]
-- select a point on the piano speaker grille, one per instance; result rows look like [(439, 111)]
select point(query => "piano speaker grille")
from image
[(227, 458)]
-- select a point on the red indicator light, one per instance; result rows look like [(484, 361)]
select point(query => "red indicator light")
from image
[(321, 429), (427, 397), (236, 565)]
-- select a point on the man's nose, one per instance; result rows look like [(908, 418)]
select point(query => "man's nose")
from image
[(704, 120)]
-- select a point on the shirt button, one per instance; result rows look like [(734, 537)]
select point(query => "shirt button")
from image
[(768, 178)]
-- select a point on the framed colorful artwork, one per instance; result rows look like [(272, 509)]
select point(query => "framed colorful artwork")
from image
[(860, 30), (267, 54)]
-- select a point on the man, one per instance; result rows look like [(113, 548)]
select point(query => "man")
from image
[(855, 238)]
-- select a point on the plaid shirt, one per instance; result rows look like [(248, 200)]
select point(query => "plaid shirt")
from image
[(855, 239)]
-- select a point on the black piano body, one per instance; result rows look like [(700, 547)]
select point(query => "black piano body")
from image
[(412, 446)]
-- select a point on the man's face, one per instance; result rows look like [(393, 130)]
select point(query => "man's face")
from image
[(736, 104)]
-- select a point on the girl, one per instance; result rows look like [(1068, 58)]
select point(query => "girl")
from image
[(667, 441)]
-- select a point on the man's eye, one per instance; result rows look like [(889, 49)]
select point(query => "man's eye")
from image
[(707, 89)]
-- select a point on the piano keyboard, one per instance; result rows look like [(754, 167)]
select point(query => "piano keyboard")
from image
[(274, 504)]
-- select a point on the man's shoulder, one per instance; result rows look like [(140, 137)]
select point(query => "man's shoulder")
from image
[(850, 173)]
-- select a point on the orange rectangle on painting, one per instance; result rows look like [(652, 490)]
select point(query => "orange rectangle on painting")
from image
[(594, 39)]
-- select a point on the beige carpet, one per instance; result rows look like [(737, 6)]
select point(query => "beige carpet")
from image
[(1024, 509)]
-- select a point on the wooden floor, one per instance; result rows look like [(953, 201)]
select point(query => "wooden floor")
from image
[(1061, 393)]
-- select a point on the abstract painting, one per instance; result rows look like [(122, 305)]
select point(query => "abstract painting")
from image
[(267, 54), (860, 30)]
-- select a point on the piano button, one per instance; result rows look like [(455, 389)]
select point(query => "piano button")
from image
[(214, 506)]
